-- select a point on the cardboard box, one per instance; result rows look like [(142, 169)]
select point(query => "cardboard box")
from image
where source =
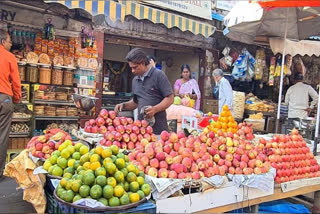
[(210, 105), (228, 194)]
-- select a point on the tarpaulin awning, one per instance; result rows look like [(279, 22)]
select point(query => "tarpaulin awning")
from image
[(113, 10), (170, 20), (303, 47), (117, 11)]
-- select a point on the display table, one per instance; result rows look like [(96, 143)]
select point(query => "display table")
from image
[(266, 115), (278, 194)]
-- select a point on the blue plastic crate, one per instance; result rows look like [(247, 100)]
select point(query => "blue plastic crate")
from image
[(279, 206), (147, 207)]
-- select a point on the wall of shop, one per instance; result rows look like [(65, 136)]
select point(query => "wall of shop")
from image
[(173, 72), (117, 52)]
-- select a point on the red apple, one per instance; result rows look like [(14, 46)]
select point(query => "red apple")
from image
[(163, 173)]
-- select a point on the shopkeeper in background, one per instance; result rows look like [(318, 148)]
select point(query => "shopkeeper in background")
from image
[(10, 90), (297, 97), (186, 86), (150, 87), (223, 90)]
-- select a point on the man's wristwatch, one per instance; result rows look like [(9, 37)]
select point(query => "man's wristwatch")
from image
[(123, 106)]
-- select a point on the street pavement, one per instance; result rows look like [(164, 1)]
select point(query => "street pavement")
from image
[(11, 199)]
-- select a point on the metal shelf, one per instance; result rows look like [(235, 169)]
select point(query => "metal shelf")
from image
[(53, 102), (12, 135), (55, 118)]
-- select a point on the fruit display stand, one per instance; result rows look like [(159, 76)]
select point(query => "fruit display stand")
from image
[(211, 199), (278, 194)]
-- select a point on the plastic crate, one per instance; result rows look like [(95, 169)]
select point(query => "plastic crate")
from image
[(147, 207), (52, 205)]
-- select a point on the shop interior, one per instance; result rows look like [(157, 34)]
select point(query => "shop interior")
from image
[(118, 76)]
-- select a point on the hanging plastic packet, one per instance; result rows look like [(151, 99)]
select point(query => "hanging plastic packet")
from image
[(272, 70), (151, 121)]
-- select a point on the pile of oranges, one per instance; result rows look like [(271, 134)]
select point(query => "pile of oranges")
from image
[(225, 122)]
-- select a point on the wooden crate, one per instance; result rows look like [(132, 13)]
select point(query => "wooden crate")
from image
[(10, 143), (195, 202), (210, 105), (20, 143), (26, 141)]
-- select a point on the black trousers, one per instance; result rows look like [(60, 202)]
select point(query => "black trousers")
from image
[(6, 110)]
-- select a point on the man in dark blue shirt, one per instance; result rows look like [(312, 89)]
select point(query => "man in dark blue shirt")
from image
[(150, 87)]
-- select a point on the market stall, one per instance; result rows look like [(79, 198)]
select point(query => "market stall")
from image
[(221, 158)]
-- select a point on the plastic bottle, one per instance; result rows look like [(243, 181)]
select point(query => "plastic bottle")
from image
[(40, 132)]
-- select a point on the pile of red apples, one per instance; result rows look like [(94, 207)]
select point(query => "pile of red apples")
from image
[(120, 131), (291, 157), (209, 154)]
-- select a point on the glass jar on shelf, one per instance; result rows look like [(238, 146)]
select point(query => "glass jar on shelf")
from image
[(32, 73)]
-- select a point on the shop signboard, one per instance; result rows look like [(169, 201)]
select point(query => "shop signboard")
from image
[(198, 8), (31, 17), (226, 4)]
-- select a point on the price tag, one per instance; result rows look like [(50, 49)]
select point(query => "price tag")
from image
[(83, 80), (36, 87), (30, 107), (90, 91)]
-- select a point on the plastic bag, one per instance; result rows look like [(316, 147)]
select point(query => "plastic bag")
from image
[(21, 169)]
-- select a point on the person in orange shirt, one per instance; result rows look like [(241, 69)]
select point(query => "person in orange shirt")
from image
[(10, 90)]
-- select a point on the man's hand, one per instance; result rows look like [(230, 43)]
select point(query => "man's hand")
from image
[(309, 110), (150, 111), (119, 107)]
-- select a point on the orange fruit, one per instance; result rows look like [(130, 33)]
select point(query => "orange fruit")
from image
[(225, 107), (224, 126), (234, 124), (230, 124), (223, 114), (231, 119), (218, 125)]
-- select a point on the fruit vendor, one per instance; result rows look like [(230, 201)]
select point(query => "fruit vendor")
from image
[(186, 86), (223, 90), (297, 99), (150, 87), (10, 90)]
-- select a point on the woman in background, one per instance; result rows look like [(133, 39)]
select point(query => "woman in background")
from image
[(187, 86)]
